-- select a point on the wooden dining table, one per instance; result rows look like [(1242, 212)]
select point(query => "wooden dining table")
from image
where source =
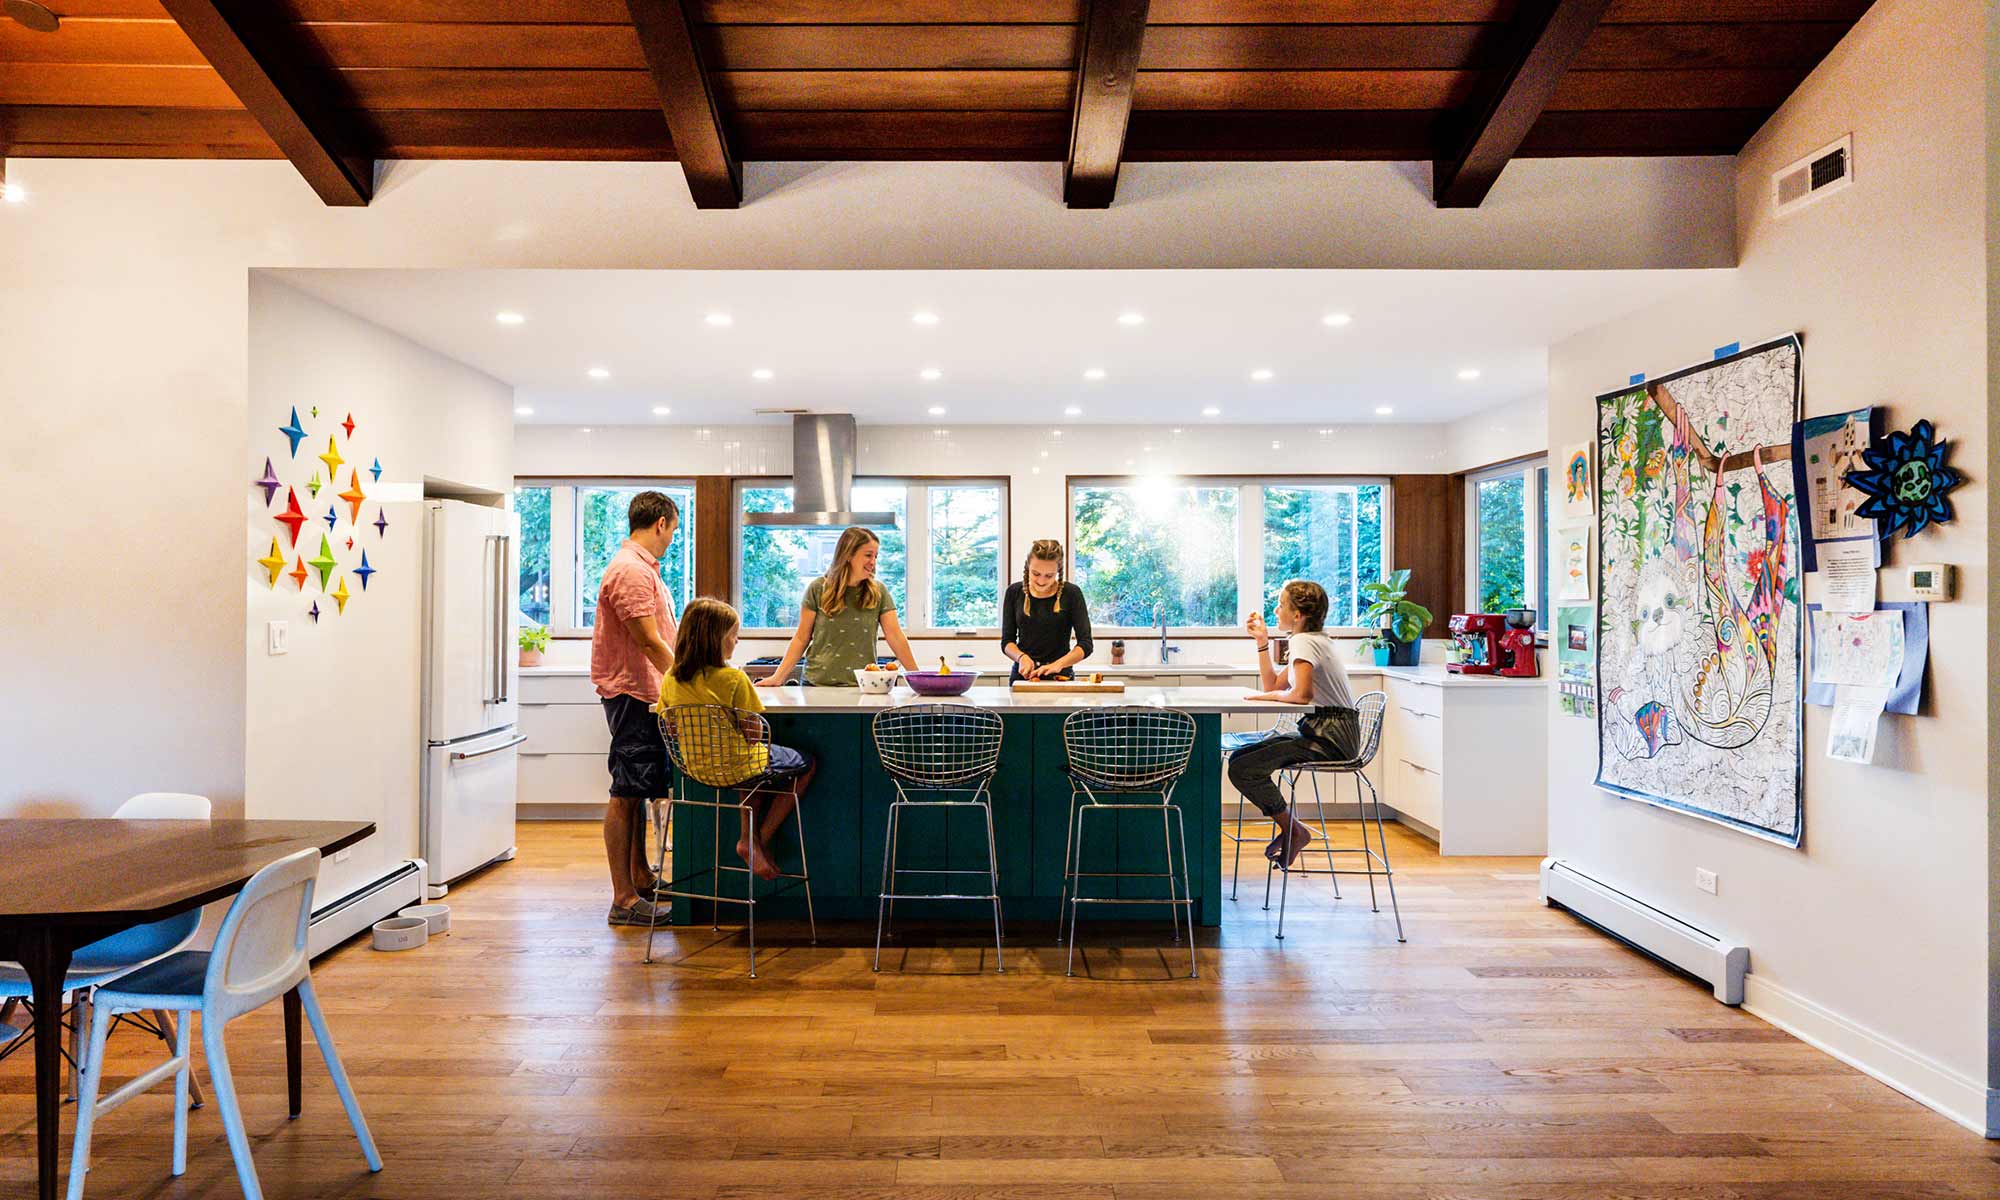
[(65, 883)]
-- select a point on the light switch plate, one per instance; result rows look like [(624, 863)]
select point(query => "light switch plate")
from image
[(277, 637), (1705, 880)]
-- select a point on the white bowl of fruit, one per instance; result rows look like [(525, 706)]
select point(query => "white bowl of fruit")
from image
[(875, 679)]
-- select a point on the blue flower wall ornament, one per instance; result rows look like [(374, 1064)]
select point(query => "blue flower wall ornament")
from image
[(1906, 482)]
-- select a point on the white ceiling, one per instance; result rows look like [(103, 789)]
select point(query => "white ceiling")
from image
[(1009, 346)]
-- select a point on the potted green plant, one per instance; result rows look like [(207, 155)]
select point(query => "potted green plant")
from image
[(534, 639), (1379, 648), (1401, 621)]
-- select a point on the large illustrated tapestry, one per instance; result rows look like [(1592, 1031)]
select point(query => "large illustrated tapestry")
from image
[(1699, 625)]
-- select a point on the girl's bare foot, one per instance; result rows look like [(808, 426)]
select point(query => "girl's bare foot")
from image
[(1302, 836), (760, 862)]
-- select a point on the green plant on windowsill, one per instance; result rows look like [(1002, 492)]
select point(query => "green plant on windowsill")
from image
[(534, 640), (1399, 620)]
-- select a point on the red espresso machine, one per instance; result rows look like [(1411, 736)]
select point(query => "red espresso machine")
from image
[(1494, 644)]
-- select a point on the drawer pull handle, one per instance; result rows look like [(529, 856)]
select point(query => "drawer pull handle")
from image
[(1415, 767)]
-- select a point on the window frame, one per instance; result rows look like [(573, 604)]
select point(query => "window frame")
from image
[(916, 619), (1249, 538), (565, 601), (1532, 470)]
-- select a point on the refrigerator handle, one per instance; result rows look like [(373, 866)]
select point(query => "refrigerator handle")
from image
[(502, 553), (490, 694)]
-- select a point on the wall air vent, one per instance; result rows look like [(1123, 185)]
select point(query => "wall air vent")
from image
[(1819, 174)]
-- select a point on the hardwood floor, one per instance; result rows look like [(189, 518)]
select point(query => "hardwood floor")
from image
[(1504, 1052)]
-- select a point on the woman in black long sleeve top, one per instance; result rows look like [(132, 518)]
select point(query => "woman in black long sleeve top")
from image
[(1041, 615)]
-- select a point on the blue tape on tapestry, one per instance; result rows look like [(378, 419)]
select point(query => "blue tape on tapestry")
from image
[(1637, 379), (1908, 692), (1726, 351), (1802, 495)]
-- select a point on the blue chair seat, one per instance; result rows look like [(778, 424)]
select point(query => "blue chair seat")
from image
[(173, 982)]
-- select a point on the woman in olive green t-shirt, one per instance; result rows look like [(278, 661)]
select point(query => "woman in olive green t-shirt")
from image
[(840, 617)]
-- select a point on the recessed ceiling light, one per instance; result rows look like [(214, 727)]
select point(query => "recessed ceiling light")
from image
[(1093, 372), (936, 410), (1261, 374), (509, 318), (1277, 445), (930, 373), (718, 320), (14, 193), (1055, 433), (585, 429), (661, 410), (599, 372), (924, 318), (1383, 410), (1131, 318), (1468, 373), (762, 374), (1045, 454), (1211, 411), (524, 411), (1034, 470), (1177, 431), (1335, 320), (1072, 411)]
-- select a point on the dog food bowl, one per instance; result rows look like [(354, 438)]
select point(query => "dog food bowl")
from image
[(402, 933), (437, 917)]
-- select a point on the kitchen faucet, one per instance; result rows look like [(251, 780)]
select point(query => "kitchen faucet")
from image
[(1166, 651)]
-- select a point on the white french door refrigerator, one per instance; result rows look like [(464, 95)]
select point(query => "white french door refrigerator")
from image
[(470, 670)]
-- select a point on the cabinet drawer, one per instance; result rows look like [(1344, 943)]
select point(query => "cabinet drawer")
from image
[(564, 729), (1419, 737), (557, 689), (563, 779), (1418, 697), (1419, 793)]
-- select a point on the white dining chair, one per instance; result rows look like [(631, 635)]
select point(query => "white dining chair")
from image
[(107, 959), (259, 955)]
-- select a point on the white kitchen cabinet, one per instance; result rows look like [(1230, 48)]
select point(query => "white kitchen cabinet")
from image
[(563, 771), (1464, 763)]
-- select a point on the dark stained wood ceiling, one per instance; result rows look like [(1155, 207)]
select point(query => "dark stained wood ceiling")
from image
[(907, 79)]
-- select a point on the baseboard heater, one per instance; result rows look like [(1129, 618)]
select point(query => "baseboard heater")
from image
[(359, 909), (1721, 964)]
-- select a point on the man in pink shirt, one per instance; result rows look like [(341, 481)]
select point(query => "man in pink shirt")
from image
[(631, 648)]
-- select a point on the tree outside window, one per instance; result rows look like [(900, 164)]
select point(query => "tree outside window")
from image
[(964, 557), (775, 563), (602, 527), (1150, 548), (1328, 533), (532, 503)]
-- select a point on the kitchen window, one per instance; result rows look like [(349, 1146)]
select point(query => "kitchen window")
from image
[(945, 562), (1506, 518), (569, 531), (1201, 553)]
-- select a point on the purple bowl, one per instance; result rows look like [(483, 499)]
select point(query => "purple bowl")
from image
[(931, 683)]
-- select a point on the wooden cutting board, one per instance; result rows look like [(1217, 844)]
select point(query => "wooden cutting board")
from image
[(1057, 686)]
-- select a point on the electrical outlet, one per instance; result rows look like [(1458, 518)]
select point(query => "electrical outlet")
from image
[(277, 638), (1705, 880), (341, 855)]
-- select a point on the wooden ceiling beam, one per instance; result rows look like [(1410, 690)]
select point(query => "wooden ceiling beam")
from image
[(1108, 39), (1549, 34), (687, 96), (295, 111)]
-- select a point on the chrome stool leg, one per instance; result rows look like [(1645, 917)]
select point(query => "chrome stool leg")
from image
[(1388, 873), (805, 868), (993, 873), (1325, 842), (888, 857), (1180, 827)]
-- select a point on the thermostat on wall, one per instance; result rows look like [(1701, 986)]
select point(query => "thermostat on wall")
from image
[(1931, 581)]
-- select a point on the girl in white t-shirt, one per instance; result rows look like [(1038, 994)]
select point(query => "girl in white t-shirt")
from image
[(1312, 676)]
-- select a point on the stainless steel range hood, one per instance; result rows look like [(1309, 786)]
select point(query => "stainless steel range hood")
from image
[(822, 478)]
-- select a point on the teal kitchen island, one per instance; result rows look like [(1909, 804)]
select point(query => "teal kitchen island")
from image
[(844, 813)]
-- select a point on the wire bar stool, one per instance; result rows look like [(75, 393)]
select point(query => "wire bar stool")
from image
[(1232, 742), (932, 753), (722, 747), (1369, 710), (1127, 751)]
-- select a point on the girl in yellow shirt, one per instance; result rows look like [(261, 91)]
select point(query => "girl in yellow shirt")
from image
[(702, 675)]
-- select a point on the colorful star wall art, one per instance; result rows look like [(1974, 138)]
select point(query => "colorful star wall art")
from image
[(274, 562), (381, 522), (298, 573), (293, 516), (312, 485), (340, 594), (332, 459), (270, 482), (313, 612), (348, 425), (332, 516), (293, 430), (353, 496), (361, 572), (324, 562), (376, 470), (1906, 482)]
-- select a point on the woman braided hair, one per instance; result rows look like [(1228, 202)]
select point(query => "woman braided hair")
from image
[(1047, 550)]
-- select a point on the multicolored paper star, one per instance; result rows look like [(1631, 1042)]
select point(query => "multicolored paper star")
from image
[(381, 523), (298, 574), (312, 485), (348, 425), (293, 430), (331, 516), (332, 459), (363, 571), (274, 562), (270, 482), (376, 470), (340, 594), (353, 495), (293, 516), (313, 612), (324, 562), (1907, 483)]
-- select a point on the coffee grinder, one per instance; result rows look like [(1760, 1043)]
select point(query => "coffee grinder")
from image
[(1516, 656)]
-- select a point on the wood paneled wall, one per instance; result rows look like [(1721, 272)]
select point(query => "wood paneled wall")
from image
[(714, 540), (1429, 523)]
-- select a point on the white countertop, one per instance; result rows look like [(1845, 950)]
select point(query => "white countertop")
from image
[(1191, 699), (1428, 674)]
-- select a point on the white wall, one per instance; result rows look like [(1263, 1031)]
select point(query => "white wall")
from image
[(123, 290), (1515, 429), (332, 728), (1872, 937)]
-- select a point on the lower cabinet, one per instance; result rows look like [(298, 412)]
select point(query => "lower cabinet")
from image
[(1465, 764)]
